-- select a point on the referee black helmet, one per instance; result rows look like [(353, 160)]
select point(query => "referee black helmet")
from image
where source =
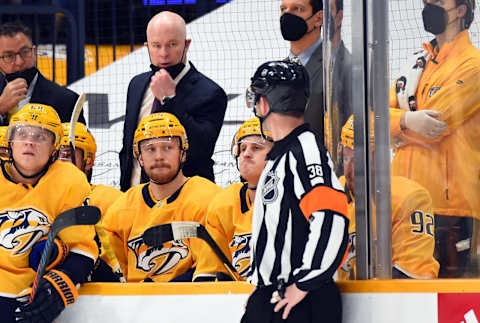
[(284, 84)]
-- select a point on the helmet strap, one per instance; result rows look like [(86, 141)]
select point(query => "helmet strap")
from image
[(41, 172)]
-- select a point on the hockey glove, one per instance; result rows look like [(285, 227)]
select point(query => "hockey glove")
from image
[(424, 123), (55, 291), (59, 252)]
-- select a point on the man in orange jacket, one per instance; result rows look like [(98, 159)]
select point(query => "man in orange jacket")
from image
[(434, 114)]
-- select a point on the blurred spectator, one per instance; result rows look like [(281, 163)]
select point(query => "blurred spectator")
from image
[(412, 222), (339, 104), (173, 85), (434, 117)]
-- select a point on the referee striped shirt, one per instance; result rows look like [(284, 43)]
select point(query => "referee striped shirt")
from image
[(300, 225)]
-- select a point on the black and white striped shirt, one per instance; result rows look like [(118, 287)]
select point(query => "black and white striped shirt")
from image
[(299, 227)]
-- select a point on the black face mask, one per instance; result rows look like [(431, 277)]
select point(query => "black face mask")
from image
[(293, 27), (173, 70), (27, 74), (435, 19)]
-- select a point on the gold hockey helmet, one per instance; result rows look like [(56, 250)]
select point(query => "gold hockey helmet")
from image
[(37, 115), (83, 140), (3, 137), (251, 127), (158, 125)]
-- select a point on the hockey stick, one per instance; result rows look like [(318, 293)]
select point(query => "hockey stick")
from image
[(157, 235), (73, 123), (82, 215)]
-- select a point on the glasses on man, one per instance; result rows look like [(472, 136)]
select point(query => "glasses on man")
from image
[(24, 53)]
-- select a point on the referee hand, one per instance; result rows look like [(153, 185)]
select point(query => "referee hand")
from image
[(293, 296)]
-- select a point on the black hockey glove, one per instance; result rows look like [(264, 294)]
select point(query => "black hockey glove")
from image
[(55, 291)]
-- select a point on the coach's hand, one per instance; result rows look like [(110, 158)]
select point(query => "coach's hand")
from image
[(14, 92), (293, 296), (162, 84)]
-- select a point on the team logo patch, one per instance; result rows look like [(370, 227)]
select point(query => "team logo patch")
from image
[(351, 253), (20, 229), (240, 247), (433, 90), (270, 189), (157, 260)]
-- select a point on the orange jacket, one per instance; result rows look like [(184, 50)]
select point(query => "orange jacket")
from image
[(448, 166)]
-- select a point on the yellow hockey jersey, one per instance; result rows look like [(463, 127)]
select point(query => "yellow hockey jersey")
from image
[(229, 222), (103, 196), (26, 214), (137, 210), (413, 231)]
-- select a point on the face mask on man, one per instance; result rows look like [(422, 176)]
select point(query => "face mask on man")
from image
[(435, 18), (293, 27), (27, 74), (173, 70)]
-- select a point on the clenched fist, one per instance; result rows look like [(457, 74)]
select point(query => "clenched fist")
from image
[(162, 84), (14, 92)]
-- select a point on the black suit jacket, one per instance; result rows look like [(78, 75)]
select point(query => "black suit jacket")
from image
[(314, 112), (50, 93), (200, 106)]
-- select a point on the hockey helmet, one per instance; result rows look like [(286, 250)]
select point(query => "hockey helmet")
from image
[(158, 125), (3, 137), (83, 140), (284, 84), (37, 115), (251, 127), (347, 133)]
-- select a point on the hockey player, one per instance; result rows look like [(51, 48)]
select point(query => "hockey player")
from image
[(229, 216), (412, 222), (35, 188), (299, 226), (4, 151), (101, 196), (160, 145)]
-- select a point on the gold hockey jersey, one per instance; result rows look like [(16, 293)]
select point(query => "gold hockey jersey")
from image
[(229, 222), (103, 196), (137, 210), (26, 214), (413, 230)]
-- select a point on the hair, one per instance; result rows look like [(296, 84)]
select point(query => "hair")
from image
[(10, 29), (339, 5), (469, 15), (317, 5)]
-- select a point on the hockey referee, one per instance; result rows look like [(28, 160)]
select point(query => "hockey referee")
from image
[(299, 226)]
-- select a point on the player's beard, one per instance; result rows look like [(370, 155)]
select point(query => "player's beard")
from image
[(162, 173)]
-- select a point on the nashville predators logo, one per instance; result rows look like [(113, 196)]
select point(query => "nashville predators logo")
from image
[(20, 229), (348, 265), (157, 260), (241, 253), (270, 189)]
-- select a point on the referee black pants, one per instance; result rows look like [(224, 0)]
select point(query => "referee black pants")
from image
[(323, 305)]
